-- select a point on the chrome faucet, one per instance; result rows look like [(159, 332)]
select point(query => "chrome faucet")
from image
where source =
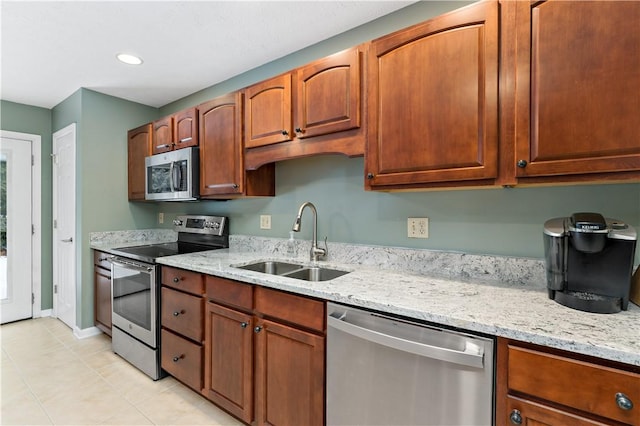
[(316, 252)]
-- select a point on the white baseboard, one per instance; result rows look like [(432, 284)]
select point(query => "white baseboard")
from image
[(44, 313), (86, 332)]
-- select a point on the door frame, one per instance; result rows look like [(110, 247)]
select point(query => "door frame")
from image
[(69, 129), (36, 216)]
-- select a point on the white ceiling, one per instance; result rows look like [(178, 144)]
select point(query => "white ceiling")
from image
[(52, 48)]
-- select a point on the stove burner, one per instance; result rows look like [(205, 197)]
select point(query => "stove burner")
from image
[(194, 235)]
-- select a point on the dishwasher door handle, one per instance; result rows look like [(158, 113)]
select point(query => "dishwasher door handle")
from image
[(473, 358)]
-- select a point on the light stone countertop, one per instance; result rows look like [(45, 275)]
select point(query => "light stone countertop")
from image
[(502, 310), (504, 297)]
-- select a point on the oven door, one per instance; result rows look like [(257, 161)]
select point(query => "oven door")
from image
[(134, 299)]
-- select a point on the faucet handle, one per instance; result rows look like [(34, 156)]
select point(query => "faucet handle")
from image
[(326, 248)]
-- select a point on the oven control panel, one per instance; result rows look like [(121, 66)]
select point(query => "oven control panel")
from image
[(213, 225)]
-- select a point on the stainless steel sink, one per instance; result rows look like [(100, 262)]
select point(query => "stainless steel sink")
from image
[(271, 267), (294, 270), (316, 274)]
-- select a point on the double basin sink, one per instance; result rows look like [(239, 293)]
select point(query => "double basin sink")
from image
[(294, 270)]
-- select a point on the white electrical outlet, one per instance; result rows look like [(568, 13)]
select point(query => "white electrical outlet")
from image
[(160, 217), (418, 227), (265, 221)]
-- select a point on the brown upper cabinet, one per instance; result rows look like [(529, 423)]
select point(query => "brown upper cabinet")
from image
[(577, 97), (138, 148), (433, 102), (315, 109), (222, 173), (179, 130)]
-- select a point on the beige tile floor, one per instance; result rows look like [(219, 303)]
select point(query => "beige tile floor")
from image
[(51, 378)]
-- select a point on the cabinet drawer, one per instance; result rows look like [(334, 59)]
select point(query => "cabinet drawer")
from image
[(100, 259), (182, 359), (180, 279), (230, 292), (182, 313), (582, 385), (295, 309)]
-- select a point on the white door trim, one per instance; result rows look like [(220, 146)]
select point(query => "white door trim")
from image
[(36, 214), (68, 130)]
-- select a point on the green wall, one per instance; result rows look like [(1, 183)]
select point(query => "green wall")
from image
[(36, 121), (500, 221), (101, 176)]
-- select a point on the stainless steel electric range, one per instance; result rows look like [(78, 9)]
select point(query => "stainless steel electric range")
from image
[(135, 288)]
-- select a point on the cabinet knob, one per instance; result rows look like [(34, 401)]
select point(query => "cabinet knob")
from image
[(515, 417), (522, 163), (257, 329), (178, 358), (235, 186), (176, 313), (285, 133), (244, 324), (176, 280), (369, 175), (299, 130), (623, 401)]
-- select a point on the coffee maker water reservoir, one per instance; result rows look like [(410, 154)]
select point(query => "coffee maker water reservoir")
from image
[(589, 262)]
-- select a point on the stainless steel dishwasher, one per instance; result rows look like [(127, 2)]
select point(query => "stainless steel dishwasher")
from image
[(387, 371)]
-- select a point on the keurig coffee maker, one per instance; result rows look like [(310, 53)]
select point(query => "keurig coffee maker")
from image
[(589, 262)]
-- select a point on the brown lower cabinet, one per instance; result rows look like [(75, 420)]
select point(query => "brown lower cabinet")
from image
[(264, 354), (540, 386), (102, 291), (181, 318)]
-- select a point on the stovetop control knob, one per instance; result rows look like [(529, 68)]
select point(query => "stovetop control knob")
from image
[(211, 225), (177, 222)]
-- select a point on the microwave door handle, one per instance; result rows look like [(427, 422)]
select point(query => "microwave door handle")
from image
[(177, 177), (171, 169)]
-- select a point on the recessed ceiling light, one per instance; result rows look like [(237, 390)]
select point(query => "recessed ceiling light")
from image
[(128, 59)]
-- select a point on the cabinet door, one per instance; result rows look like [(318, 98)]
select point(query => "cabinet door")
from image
[(228, 368), (185, 128), (289, 376), (138, 148), (163, 135), (221, 169), (328, 94), (433, 101), (102, 299), (521, 411), (268, 112), (578, 82)]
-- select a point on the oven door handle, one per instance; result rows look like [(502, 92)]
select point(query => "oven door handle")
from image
[(130, 265)]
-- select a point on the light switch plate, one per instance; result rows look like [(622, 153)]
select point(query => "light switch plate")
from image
[(265, 221), (418, 227), (160, 217)]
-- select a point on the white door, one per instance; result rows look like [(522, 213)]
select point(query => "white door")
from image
[(64, 225), (16, 283)]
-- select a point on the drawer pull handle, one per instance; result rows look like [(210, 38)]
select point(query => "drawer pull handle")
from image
[(516, 417), (102, 259), (244, 324), (176, 279), (623, 401), (176, 313), (178, 358)]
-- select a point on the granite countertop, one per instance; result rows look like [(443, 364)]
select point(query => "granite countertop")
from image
[(492, 308), (471, 301)]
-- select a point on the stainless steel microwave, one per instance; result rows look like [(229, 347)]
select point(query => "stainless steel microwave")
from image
[(173, 175)]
